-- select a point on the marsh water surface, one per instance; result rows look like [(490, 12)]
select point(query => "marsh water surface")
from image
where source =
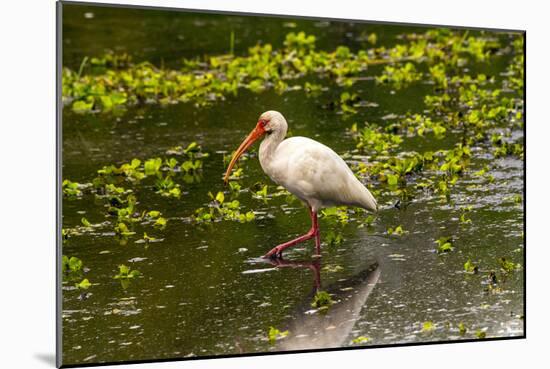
[(202, 290)]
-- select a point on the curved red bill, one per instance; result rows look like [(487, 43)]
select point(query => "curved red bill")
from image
[(248, 141)]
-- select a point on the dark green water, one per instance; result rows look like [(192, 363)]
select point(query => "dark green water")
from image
[(202, 289)]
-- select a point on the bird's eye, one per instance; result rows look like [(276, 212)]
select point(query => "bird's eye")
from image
[(264, 122)]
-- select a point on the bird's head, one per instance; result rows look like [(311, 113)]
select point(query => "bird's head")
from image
[(270, 122), (273, 121)]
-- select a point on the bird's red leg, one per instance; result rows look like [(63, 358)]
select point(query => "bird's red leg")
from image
[(313, 232)]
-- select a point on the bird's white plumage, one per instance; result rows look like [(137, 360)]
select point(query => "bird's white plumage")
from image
[(310, 170)]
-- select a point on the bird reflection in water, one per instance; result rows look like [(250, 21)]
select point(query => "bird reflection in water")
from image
[(311, 329), (314, 265)]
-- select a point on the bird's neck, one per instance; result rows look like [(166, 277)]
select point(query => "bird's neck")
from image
[(269, 146)]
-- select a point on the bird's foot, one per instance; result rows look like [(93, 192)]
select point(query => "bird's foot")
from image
[(274, 253), (277, 251)]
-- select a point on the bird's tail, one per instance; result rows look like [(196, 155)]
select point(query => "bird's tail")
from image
[(364, 198), (368, 201)]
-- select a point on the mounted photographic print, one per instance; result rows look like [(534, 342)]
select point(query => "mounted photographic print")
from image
[(239, 184)]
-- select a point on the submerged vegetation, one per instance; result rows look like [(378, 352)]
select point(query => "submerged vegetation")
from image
[(112, 81)]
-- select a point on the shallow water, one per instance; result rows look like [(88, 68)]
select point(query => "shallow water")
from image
[(202, 290)]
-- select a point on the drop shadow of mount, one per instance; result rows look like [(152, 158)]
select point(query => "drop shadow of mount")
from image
[(311, 329)]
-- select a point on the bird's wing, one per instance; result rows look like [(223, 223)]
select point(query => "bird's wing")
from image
[(314, 172)]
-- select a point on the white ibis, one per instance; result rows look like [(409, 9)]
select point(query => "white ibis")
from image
[(309, 170)]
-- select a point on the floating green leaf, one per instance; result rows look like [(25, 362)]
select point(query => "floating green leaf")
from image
[(470, 267), (445, 244), (125, 272), (428, 326), (84, 284), (360, 339), (274, 334)]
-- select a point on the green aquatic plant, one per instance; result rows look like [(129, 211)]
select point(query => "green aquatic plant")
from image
[(124, 209), (236, 174), (372, 137), (148, 239), (85, 222), (515, 71), (125, 272), (74, 189), (398, 231), (463, 215), (192, 151), (190, 166), (420, 125), (462, 329), (109, 60), (171, 163), (399, 76), (219, 209), (348, 102), (84, 284), (262, 192), (444, 244), (313, 89), (275, 334), (126, 171), (194, 156), (507, 266), (428, 326), (399, 168), (65, 234), (153, 214), (480, 334), (160, 223), (125, 275), (122, 230), (204, 215), (502, 149), (83, 106), (360, 340), (72, 264), (367, 221), (517, 199), (219, 198), (152, 167), (121, 202), (300, 42), (333, 238), (112, 190), (372, 38), (438, 75), (234, 187), (438, 103), (333, 268), (72, 270), (322, 301), (470, 267), (456, 160), (110, 86), (166, 187)]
